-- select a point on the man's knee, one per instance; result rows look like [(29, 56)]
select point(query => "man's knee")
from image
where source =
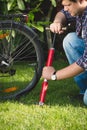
[(66, 41), (72, 40)]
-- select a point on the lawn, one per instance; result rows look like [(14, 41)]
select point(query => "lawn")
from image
[(61, 110)]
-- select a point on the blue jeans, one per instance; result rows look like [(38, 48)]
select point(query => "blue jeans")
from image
[(74, 49)]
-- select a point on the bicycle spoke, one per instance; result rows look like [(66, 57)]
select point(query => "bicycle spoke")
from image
[(21, 59)]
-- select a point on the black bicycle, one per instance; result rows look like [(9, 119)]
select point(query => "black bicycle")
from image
[(21, 56)]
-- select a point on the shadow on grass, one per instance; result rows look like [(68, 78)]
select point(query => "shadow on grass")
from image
[(60, 93), (14, 90), (63, 93)]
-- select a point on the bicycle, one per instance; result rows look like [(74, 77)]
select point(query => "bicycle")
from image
[(20, 52)]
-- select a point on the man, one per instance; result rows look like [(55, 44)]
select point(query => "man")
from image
[(74, 44)]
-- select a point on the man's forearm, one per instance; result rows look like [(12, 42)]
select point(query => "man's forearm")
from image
[(60, 18), (70, 71)]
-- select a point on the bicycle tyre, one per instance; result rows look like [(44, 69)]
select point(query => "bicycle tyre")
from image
[(20, 55)]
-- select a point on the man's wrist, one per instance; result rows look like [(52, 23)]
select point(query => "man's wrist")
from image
[(57, 22), (53, 76)]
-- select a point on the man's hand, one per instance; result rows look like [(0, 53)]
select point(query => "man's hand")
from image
[(47, 72), (56, 28)]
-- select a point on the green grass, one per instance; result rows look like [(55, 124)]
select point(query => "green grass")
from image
[(61, 110)]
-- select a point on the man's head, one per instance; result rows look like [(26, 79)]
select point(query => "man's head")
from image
[(74, 7)]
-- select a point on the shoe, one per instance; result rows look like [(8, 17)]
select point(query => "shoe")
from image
[(85, 97)]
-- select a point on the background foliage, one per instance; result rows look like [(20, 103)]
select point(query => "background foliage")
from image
[(39, 11), (40, 14)]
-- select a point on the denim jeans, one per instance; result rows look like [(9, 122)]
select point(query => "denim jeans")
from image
[(74, 48)]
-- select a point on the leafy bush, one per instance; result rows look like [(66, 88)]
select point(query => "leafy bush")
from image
[(33, 8)]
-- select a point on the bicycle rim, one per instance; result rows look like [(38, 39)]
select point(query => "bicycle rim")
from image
[(21, 59)]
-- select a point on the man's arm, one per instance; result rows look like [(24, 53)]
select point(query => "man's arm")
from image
[(70, 71), (67, 72), (60, 18), (58, 23)]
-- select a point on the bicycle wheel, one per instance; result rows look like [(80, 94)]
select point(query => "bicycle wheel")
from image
[(21, 59)]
